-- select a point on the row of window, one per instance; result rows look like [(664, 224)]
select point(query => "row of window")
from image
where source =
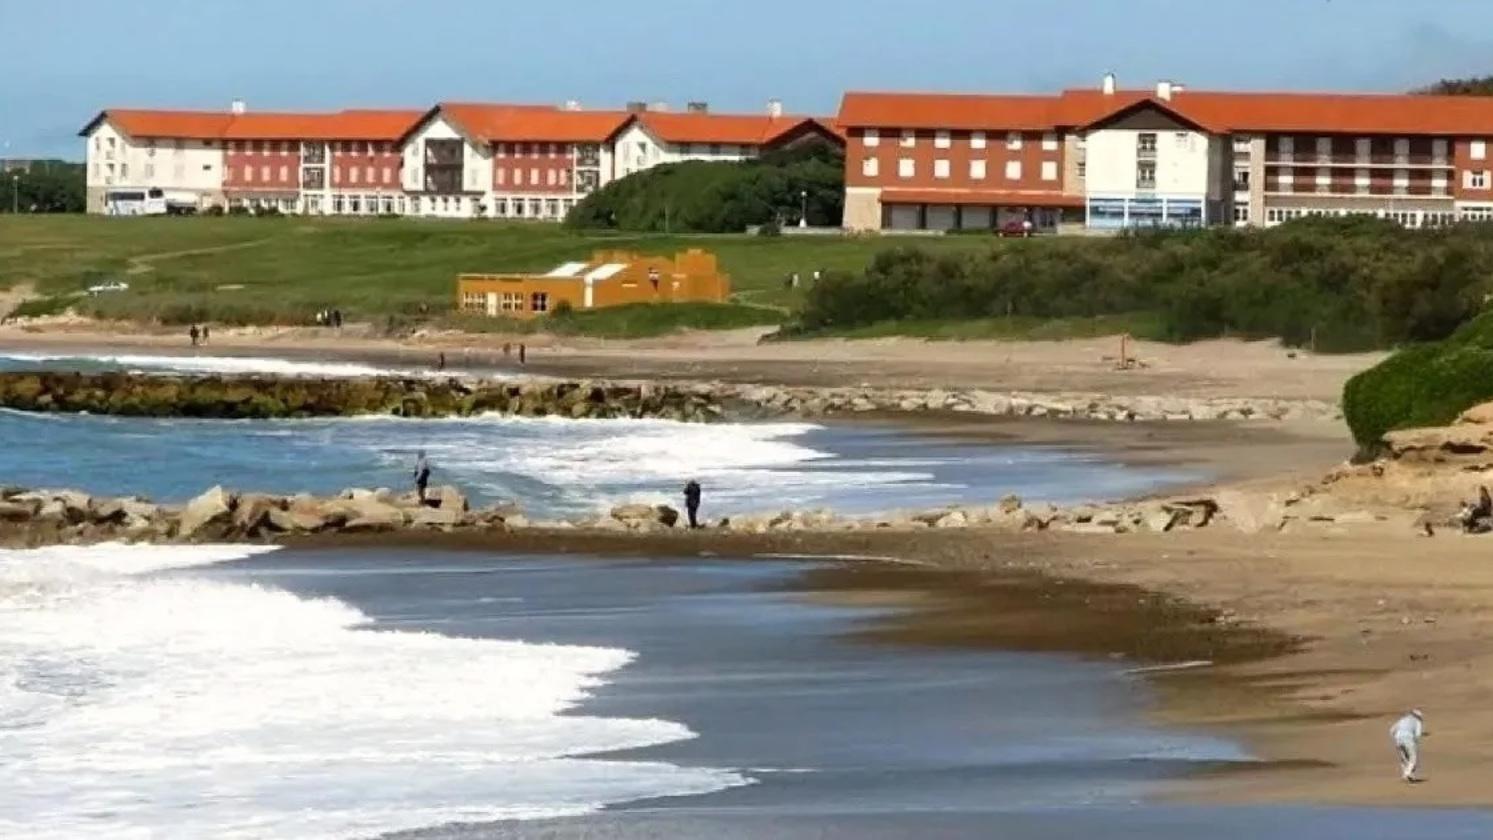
[(542, 149), (908, 168), (1408, 218), (945, 139), (550, 177), (285, 147), (507, 301)]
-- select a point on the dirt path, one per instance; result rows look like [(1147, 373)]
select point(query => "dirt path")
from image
[(145, 263)]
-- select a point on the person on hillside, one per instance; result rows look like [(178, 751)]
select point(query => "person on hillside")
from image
[(422, 475), (337, 318), (193, 334), (692, 502), (1406, 734)]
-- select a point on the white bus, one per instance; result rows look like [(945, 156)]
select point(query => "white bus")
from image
[(141, 202)]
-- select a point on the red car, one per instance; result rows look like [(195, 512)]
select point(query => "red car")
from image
[(1020, 229)]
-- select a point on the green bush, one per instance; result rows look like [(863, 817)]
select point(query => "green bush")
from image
[(1331, 284), (721, 197), (1424, 385)]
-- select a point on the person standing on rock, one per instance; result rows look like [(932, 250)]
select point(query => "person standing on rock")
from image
[(1406, 734), (422, 475), (692, 502)]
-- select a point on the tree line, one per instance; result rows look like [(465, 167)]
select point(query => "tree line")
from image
[(43, 187)]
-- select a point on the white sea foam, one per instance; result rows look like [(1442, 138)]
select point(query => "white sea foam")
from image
[(208, 364), (140, 704)]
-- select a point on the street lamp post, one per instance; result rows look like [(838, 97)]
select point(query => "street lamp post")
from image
[(803, 210), (15, 194)]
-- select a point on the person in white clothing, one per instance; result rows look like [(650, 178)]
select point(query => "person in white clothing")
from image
[(1406, 734)]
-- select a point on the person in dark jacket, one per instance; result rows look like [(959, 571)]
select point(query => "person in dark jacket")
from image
[(422, 475), (692, 502)]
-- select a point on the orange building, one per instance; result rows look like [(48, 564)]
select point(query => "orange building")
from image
[(610, 278)]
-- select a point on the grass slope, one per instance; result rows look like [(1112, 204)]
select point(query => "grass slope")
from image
[(280, 270)]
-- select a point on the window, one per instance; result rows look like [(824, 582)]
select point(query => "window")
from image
[(1241, 214), (1241, 180), (1049, 142), (388, 175), (248, 174), (549, 178), (1145, 176), (1475, 180), (150, 170), (352, 175), (941, 140), (539, 302), (1479, 150), (1013, 170), (368, 172), (512, 301), (284, 173), (500, 149), (518, 177), (940, 169), (1013, 141), (909, 138), (977, 170), (264, 173), (337, 204), (1083, 169), (501, 176), (1324, 147), (1049, 170), (906, 168), (1145, 144), (977, 140), (871, 167), (872, 137), (534, 176), (715, 148)]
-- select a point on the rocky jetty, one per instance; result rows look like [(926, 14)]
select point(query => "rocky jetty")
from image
[(268, 397), (69, 516), (769, 400), (265, 397)]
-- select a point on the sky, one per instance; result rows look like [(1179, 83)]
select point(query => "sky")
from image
[(62, 61)]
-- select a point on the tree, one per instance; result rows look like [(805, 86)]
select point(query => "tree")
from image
[(46, 187), (1477, 86)]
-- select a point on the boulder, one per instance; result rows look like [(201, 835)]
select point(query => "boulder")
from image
[(437, 517), (633, 512), (1010, 503), (214, 507), (15, 510), (1161, 519), (253, 512), (108, 512), (1251, 512), (666, 516), (953, 519), (449, 498), (374, 516), (1479, 415)]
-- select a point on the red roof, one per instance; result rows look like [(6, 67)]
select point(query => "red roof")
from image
[(948, 111), (1004, 198), (214, 125), (739, 129), (526, 123)]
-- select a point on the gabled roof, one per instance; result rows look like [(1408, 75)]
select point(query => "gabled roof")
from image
[(145, 123), (217, 125), (498, 122), (947, 111), (736, 129)]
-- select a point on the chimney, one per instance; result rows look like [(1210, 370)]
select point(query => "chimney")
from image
[(637, 107), (238, 106), (1164, 91), (698, 107), (1177, 88), (659, 107), (775, 108), (572, 105), (1108, 85)]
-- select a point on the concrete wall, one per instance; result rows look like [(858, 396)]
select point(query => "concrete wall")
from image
[(862, 208), (1186, 163)]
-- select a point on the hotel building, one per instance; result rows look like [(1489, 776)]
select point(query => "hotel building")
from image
[(1109, 159), (456, 160)]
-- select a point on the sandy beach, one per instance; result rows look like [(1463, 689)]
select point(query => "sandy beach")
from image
[(1314, 641)]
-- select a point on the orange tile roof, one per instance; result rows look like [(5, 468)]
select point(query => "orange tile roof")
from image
[(214, 125), (1007, 198), (742, 129), (525, 123), (944, 110), (1338, 113), (145, 123)]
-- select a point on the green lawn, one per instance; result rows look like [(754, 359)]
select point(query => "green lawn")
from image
[(1142, 325), (279, 270)]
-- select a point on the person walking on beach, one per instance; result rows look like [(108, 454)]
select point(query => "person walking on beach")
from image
[(204, 333), (523, 354), (1406, 734), (422, 475), (440, 362), (193, 334), (692, 503)]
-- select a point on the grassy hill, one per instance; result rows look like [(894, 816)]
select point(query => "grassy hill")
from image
[(280, 270)]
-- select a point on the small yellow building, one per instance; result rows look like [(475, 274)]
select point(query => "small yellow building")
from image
[(611, 278)]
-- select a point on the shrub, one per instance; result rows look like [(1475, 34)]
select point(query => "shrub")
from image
[(1424, 385)]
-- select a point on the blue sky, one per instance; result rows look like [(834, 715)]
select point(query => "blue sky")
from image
[(63, 60)]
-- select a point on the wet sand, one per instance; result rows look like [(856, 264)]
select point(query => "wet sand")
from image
[(1314, 643)]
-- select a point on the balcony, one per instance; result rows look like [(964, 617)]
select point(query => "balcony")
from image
[(1354, 161)]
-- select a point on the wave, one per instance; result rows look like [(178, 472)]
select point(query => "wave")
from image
[(207, 364), (235, 710)]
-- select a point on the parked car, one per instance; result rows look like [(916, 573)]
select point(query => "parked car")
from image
[(1021, 228), (104, 288)]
